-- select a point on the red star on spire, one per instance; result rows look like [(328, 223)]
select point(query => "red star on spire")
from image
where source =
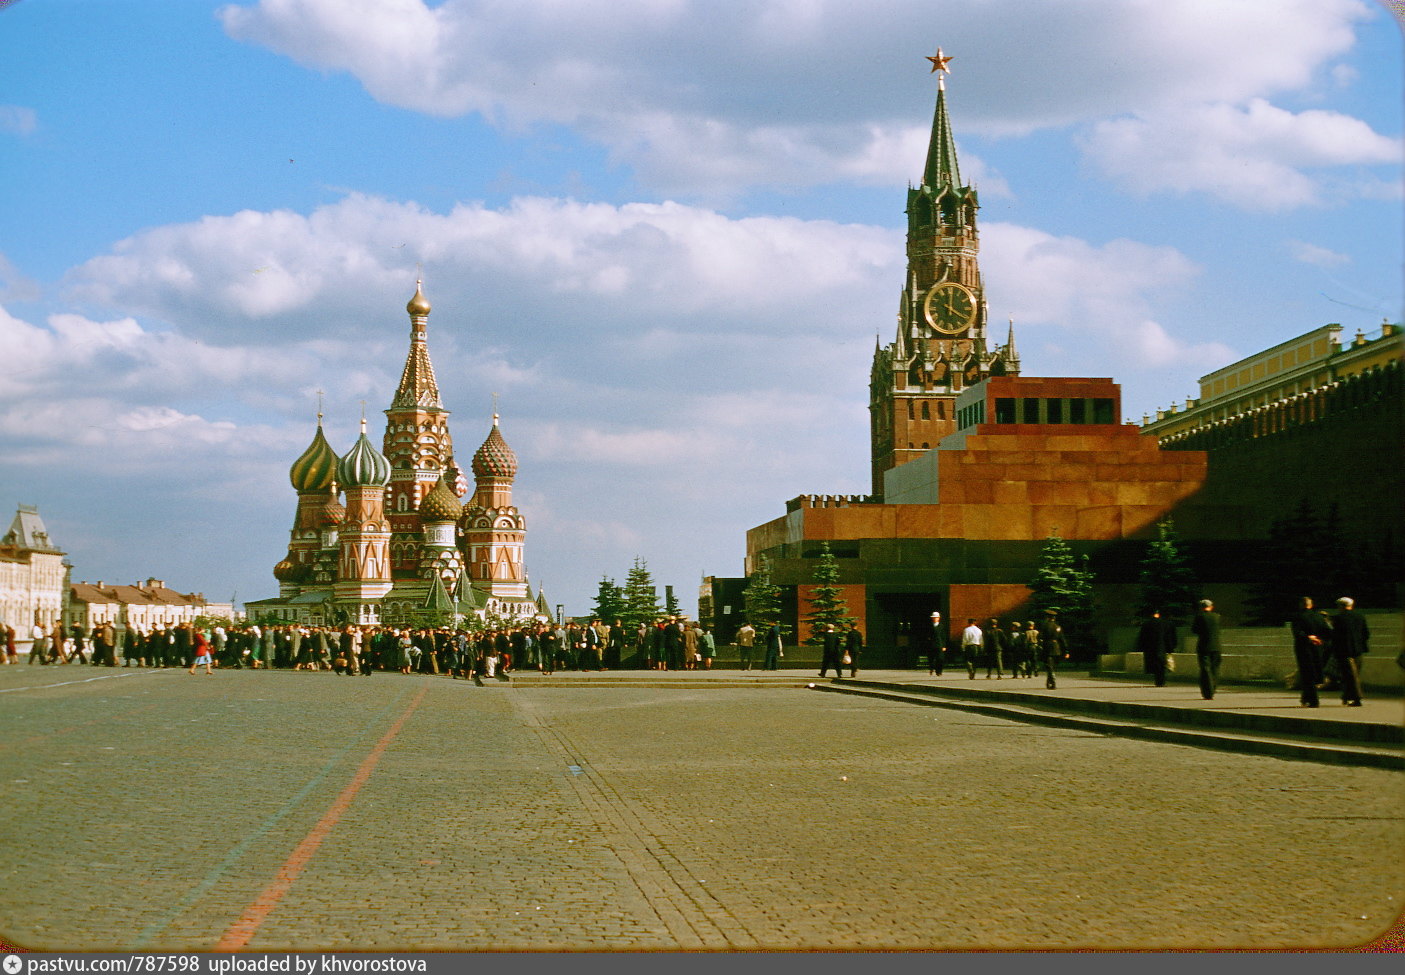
[(939, 63)]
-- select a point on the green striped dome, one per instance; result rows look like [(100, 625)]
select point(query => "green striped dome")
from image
[(314, 470), (363, 465)]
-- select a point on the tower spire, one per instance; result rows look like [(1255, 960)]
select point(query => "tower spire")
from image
[(941, 168), (417, 384)]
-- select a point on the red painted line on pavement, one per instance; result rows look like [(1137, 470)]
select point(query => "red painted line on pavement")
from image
[(242, 930)]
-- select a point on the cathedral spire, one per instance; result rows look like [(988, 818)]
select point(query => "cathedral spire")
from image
[(417, 384)]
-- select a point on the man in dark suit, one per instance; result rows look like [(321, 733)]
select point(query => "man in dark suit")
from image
[(1052, 648), (853, 646), (1206, 627), (1156, 639), (1312, 635), (938, 648), (1349, 638), (831, 652)]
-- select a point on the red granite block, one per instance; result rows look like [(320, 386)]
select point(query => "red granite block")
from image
[(1010, 492), (980, 492), (1099, 523), (1012, 522)]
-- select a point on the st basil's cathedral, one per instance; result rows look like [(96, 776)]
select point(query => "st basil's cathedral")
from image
[(409, 543)]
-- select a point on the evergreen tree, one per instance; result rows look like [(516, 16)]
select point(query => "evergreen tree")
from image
[(670, 602), (826, 599), (609, 601), (1064, 583), (641, 598), (763, 597), (1168, 585)]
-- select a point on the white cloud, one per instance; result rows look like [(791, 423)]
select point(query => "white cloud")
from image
[(18, 120), (585, 271), (688, 93), (1253, 157), (1098, 294), (1305, 253)]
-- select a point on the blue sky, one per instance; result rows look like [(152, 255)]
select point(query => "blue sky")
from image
[(666, 232)]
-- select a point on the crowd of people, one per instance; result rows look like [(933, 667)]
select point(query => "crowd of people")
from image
[(1328, 648), (673, 643)]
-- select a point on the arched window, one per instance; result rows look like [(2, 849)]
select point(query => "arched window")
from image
[(926, 412)]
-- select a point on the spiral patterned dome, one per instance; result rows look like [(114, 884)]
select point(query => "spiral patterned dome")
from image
[(286, 571), (332, 511), (317, 466), (440, 504), (363, 465), (495, 458)]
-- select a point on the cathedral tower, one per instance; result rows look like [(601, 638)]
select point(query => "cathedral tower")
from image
[(494, 530), (363, 574), (319, 514), (942, 343), (417, 444)]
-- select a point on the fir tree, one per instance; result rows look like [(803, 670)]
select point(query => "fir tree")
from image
[(763, 597), (827, 604), (1168, 585), (641, 598), (609, 601), (1063, 583)]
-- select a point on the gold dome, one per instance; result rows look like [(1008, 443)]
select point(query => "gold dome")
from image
[(418, 304)]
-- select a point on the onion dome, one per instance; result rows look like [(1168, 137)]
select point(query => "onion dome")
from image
[(286, 571), (440, 504), (317, 466), (332, 511), (418, 305), (495, 458), (363, 465)]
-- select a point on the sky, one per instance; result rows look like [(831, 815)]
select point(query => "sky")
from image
[(666, 233)]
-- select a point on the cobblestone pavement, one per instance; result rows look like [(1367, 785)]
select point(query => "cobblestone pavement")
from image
[(156, 810)]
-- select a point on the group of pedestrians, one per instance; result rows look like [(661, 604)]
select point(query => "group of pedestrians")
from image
[(1024, 648), (768, 638), (1327, 648)]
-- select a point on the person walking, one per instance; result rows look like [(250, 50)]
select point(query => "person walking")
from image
[(1051, 645), (1206, 627), (938, 648), (1350, 635), (1312, 638), (853, 646), (746, 642), (995, 648), (1156, 638), (80, 641), (201, 648), (830, 654), (707, 646), (972, 640), (774, 652)]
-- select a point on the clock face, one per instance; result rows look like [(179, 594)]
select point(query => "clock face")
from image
[(950, 308)]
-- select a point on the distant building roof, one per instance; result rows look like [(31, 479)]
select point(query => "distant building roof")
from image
[(27, 531)]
